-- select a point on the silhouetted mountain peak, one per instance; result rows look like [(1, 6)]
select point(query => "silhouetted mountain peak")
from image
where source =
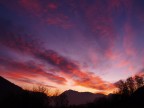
[(4, 82), (2, 79), (70, 91), (77, 92)]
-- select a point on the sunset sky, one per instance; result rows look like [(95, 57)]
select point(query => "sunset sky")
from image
[(84, 45)]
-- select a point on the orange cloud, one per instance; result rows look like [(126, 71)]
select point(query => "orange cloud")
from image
[(94, 82), (30, 70)]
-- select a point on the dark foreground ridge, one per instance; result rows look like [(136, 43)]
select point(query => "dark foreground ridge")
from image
[(13, 96)]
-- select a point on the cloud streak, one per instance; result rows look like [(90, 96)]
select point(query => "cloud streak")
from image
[(30, 69)]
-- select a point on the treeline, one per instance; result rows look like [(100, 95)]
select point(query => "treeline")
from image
[(130, 85), (129, 94)]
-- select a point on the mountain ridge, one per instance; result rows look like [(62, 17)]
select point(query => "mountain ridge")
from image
[(78, 98)]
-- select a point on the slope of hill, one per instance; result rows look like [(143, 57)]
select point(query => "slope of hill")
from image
[(7, 88)]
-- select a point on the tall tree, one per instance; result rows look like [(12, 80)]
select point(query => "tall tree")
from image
[(131, 85), (139, 81), (122, 87)]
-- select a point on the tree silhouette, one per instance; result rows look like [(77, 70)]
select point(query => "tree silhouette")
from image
[(122, 87), (139, 81), (131, 85)]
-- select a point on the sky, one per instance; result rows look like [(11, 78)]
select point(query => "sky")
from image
[(83, 45)]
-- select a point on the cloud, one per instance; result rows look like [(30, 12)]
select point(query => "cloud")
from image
[(34, 7), (128, 40), (31, 70), (52, 6), (123, 63), (141, 72), (30, 81), (60, 20), (16, 39), (47, 12), (97, 17), (94, 82), (71, 70), (100, 23)]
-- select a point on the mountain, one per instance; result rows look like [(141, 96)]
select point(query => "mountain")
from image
[(77, 98), (7, 88)]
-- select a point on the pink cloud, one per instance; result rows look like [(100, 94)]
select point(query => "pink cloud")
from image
[(29, 70), (128, 40), (52, 6), (32, 6), (123, 63), (60, 20)]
